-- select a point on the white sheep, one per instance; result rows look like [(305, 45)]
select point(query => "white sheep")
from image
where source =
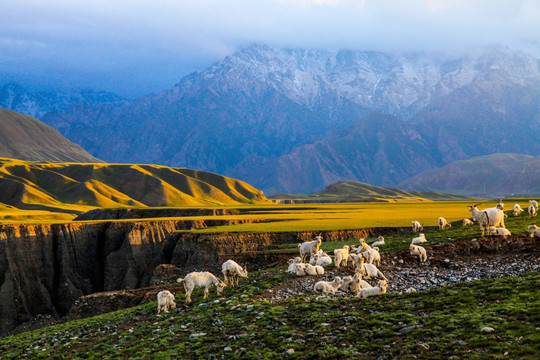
[(416, 227), (376, 290), (517, 210), (533, 230), (372, 256), (443, 224), (198, 280), (328, 286), (499, 231), (232, 270), (341, 255), (165, 301), (532, 210), (418, 251), (292, 264), (370, 271), (420, 239), (380, 241), (310, 247), (467, 222), (487, 217)]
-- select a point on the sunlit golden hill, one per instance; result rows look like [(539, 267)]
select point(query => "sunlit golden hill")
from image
[(23, 137), (77, 187)]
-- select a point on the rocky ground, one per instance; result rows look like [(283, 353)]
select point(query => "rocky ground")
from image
[(448, 263)]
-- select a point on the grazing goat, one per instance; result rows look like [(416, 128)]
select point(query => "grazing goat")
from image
[(467, 222), (533, 230), (341, 255), (499, 231), (517, 210), (420, 239), (443, 224), (380, 241), (416, 227), (328, 286), (532, 210), (370, 271), (310, 247), (487, 217), (376, 290), (165, 301), (198, 280), (372, 256), (419, 252), (232, 270)]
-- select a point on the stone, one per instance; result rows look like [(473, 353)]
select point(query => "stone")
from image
[(487, 329)]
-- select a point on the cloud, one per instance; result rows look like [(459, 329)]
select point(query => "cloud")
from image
[(142, 46)]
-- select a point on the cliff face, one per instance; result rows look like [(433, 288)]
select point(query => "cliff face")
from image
[(45, 268)]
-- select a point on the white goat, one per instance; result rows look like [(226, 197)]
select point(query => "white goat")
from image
[(299, 269), (341, 255), (376, 290), (372, 256), (517, 210), (443, 224), (532, 210), (292, 264), (500, 205), (313, 269), (416, 227), (165, 301), (467, 222), (232, 270), (420, 239), (328, 286), (499, 231), (487, 217), (198, 280), (534, 203), (370, 271), (322, 260), (533, 230), (380, 241), (310, 247), (357, 283), (418, 251), (363, 246)]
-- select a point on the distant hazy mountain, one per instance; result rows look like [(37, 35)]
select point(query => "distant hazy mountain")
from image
[(496, 175), (53, 186), (38, 103), (23, 137), (297, 120)]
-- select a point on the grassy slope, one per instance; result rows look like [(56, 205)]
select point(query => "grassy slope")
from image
[(77, 187), (353, 191), (441, 323), (24, 137)]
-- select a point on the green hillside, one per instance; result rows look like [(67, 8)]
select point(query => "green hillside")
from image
[(354, 191), (77, 187), (495, 175), (23, 137)]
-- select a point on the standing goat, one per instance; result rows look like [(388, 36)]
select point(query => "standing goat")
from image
[(532, 210), (165, 301), (487, 217), (517, 210), (197, 280), (310, 247), (443, 224), (416, 227), (231, 270)]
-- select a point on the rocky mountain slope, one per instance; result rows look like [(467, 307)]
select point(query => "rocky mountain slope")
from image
[(15, 97), (24, 137), (497, 175), (295, 120)]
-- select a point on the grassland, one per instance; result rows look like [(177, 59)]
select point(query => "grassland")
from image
[(442, 323)]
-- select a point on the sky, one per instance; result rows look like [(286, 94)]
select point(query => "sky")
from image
[(136, 47)]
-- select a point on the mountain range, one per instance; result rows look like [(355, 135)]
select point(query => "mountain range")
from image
[(298, 120)]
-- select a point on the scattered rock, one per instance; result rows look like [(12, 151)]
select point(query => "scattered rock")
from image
[(289, 352), (487, 329)]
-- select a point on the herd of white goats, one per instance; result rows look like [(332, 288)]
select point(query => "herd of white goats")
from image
[(364, 260)]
